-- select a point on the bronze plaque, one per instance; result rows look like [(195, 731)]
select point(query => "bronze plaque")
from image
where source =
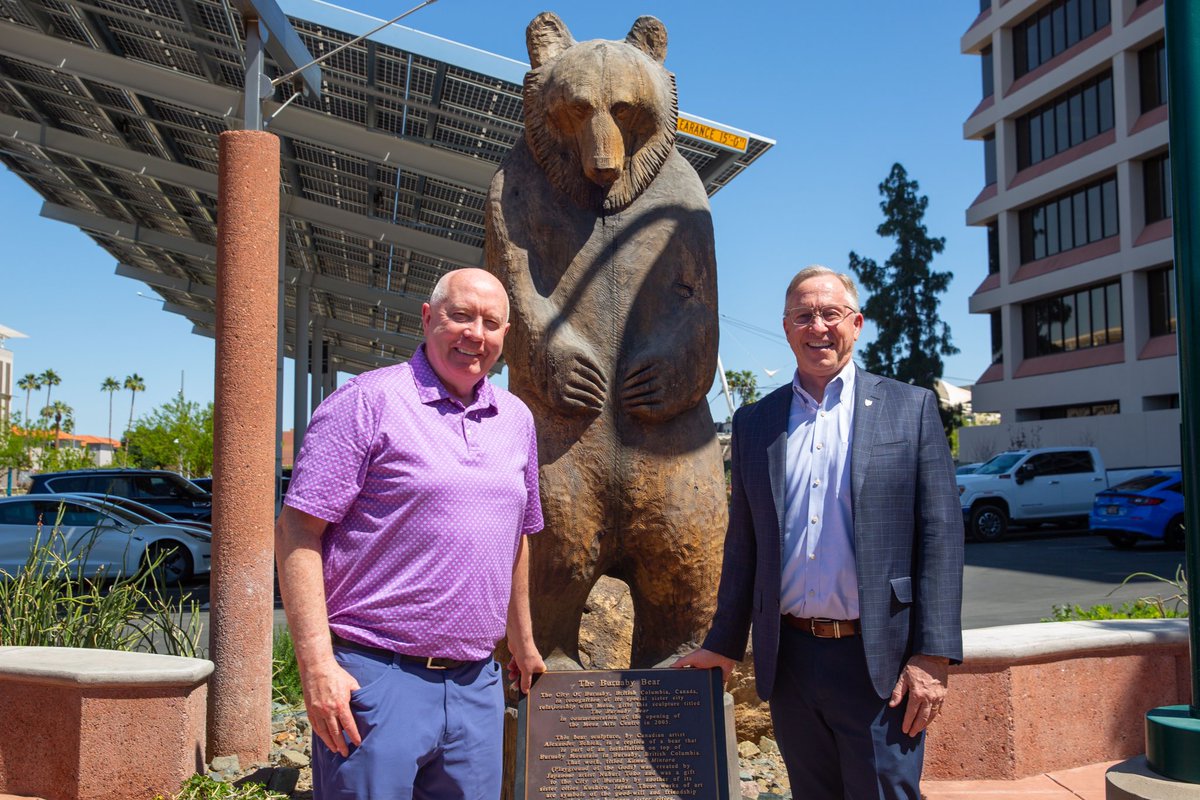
[(641, 734)]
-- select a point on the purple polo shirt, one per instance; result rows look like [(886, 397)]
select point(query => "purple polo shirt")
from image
[(426, 502)]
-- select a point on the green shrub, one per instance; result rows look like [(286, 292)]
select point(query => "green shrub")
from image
[(202, 787), (1149, 607), (285, 672), (49, 603), (1138, 609)]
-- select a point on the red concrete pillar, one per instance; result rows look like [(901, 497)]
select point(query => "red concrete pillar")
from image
[(242, 597)]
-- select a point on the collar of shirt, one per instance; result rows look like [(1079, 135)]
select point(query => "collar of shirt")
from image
[(431, 389), (842, 386)]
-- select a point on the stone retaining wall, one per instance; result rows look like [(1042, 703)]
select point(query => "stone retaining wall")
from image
[(1033, 698), (78, 724)]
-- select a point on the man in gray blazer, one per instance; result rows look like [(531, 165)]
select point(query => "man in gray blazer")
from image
[(845, 551)]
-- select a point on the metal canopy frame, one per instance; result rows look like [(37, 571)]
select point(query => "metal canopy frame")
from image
[(110, 110)]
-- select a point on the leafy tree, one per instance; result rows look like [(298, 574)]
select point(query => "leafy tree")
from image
[(177, 435), (134, 383), (112, 386), (14, 453), (30, 384), (49, 379), (743, 385), (903, 301)]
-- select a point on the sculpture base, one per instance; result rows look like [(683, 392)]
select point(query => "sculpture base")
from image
[(1173, 743), (1134, 780)]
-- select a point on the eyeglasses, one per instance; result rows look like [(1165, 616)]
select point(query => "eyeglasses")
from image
[(805, 317)]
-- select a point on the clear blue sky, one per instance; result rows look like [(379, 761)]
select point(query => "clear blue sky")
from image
[(845, 89)]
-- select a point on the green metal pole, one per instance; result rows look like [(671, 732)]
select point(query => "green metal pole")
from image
[(1173, 732)]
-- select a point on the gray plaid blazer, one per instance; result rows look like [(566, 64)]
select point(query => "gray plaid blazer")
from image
[(908, 532)]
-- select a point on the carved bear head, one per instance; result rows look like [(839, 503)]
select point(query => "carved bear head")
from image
[(600, 116)]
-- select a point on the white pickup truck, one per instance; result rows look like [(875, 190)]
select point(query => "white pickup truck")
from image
[(1026, 487)]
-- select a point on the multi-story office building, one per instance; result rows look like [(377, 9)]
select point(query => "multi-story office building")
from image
[(1077, 205), (6, 372)]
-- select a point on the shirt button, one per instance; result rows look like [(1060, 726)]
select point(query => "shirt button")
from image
[(812, 557), (813, 520), (819, 445), (816, 483)]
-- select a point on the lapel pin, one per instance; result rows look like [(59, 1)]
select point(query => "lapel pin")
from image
[(868, 401)]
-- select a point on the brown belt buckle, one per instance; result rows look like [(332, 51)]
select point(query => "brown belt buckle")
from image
[(837, 627), (430, 665)]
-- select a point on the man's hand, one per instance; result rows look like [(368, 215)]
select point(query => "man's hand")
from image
[(327, 699), (523, 666), (924, 681), (706, 659)]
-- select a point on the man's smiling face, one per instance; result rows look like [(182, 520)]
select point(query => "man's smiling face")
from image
[(821, 349), (464, 332)]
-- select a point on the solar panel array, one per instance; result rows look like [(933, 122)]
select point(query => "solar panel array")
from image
[(111, 109)]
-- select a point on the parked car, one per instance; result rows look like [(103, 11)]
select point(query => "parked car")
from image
[(111, 540), (169, 492), (1027, 487), (144, 512), (968, 469), (203, 483), (1146, 507)]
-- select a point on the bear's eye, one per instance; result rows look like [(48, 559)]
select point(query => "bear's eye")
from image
[(621, 111), (580, 109)]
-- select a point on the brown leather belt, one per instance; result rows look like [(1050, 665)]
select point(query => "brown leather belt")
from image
[(429, 662), (823, 628)]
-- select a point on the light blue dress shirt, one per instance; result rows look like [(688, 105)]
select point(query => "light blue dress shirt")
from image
[(819, 575)]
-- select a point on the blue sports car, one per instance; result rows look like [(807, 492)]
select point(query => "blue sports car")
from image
[(1146, 507)]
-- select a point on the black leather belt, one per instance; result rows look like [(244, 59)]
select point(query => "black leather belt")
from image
[(823, 628), (429, 662)]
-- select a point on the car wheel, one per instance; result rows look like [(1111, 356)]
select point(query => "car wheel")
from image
[(171, 563), (989, 523), (1173, 535), (1122, 541)]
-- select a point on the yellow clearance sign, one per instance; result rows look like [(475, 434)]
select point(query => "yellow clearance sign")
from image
[(714, 135)]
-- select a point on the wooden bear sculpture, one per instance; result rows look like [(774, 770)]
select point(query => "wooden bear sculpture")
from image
[(602, 234)]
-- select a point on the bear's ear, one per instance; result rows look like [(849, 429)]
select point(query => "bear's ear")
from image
[(650, 36), (546, 37)]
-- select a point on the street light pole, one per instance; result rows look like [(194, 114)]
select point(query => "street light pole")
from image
[(1173, 732)]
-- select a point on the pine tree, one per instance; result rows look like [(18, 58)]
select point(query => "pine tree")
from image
[(904, 293)]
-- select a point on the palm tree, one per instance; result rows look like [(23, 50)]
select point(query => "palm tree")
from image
[(134, 383), (64, 418), (30, 384), (49, 379), (112, 386)]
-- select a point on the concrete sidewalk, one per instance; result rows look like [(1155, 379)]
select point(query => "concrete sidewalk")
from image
[(1080, 783)]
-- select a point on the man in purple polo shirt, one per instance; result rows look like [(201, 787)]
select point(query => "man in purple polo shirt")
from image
[(403, 561)]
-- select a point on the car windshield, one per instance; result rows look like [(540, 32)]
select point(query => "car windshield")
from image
[(1000, 464), (1141, 483)]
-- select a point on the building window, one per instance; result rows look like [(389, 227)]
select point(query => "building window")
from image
[(984, 5), (1069, 119), (1055, 28), (1089, 317), (985, 62), (1152, 75), (1156, 177), (993, 245), (997, 338), (1069, 220), (1162, 300), (989, 159), (1098, 409)]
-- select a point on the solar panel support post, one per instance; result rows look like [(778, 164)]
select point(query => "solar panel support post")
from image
[(255, 77)]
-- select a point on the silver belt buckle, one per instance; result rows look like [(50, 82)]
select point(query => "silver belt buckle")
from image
[(429, 663), (837, 627)]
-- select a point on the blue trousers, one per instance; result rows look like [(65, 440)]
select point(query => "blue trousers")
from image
[(838, 739), (427, 734)]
